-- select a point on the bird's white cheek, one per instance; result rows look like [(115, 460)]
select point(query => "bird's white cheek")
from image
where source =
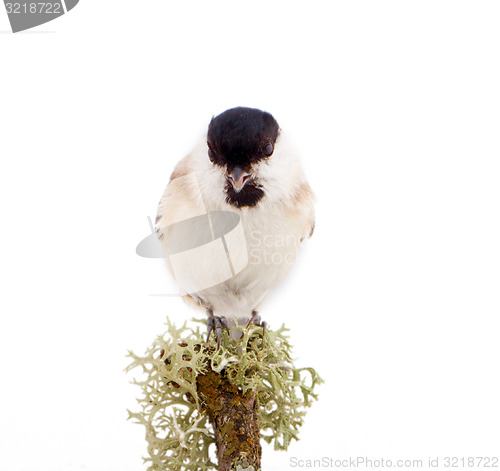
[(213, 183)]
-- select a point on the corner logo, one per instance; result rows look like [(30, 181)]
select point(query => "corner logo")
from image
[(26, 14)]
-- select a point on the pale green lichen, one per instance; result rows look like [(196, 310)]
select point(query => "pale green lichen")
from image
[(178, 431)]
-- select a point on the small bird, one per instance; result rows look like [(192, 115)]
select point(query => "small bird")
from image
[(233, 216)]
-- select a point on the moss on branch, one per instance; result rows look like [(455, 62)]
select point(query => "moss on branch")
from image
[(195, 397)]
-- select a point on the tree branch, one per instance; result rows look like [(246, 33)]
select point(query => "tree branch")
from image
[(234, 419)]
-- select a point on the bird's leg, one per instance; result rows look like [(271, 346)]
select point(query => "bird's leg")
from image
[(256, 320), (210, 322), (216, 324)]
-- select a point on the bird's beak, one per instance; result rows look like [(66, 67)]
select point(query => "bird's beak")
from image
[(238, 177)]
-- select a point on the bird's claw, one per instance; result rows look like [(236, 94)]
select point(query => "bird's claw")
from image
[(256, 320), (216, 324)]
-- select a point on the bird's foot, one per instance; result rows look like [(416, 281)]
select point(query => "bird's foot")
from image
[(256, 320), (216, 324)]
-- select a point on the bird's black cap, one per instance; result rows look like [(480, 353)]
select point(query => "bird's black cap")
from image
[(241, 136)]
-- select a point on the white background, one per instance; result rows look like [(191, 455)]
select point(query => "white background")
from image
[(395, 300)]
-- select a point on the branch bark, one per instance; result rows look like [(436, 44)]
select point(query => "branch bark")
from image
[(234, 419)]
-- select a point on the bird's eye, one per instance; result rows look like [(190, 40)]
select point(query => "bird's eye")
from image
[(211, 155), (269, 149)]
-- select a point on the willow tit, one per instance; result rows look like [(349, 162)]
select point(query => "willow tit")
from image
[(233, 216)]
